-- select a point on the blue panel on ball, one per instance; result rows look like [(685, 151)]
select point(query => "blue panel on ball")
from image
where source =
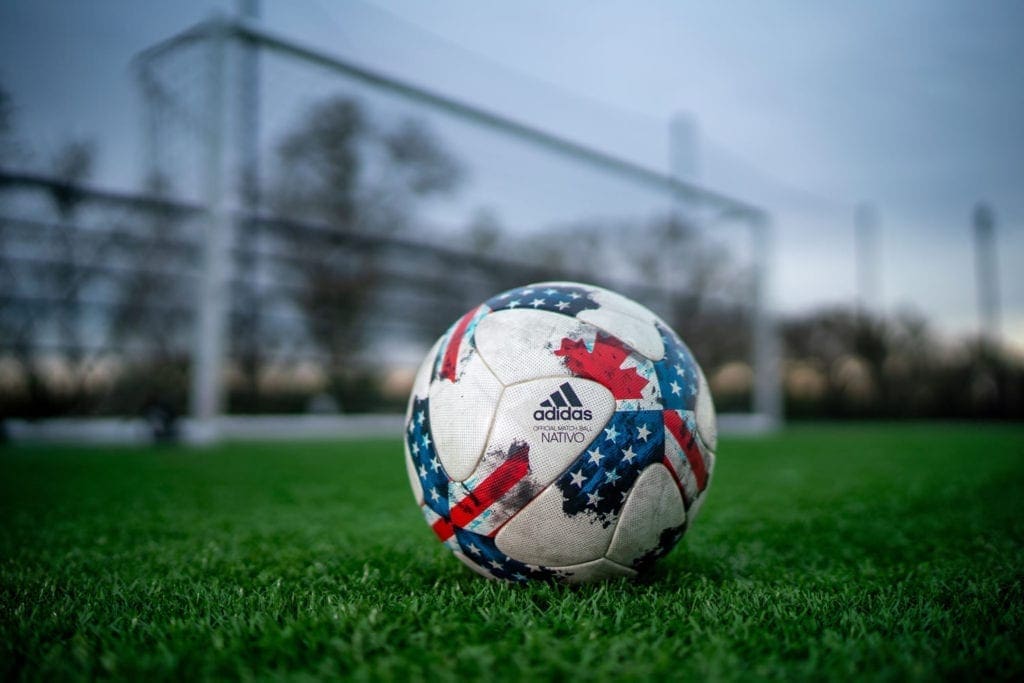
[(483, 551), (600, 479), (565, 299), (432, 476), (677, 373)]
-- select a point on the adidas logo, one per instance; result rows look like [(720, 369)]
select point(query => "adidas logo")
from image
[(564, 404), (565, 396)]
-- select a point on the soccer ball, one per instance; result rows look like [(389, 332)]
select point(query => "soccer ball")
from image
[(560, 431)]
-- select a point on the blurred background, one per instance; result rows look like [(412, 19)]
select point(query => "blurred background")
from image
[(211, 211)]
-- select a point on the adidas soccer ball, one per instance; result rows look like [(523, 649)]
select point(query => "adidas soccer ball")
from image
[(559, 431)]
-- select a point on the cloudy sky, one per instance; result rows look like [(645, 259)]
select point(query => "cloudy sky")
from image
[(804, 108)]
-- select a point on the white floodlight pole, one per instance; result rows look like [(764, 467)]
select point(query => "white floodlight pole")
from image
[(866, 255), (208, 352), (683, 147), (766, 352), (151, 147), (986, 272)]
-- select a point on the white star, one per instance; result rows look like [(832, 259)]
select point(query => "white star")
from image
[(434, 464), (593, 499), (495, 564), (577, 478), (562, 305), (676, 389), (549, 291), (426, 440), (537, 302), (473, 549), (693, 390), (423, 471), (628, 454), (612, 476), (528, 291), (420, 417), (415, 448), (412, 426), (680, 370), (610, 433), (513, 303), (595, 456), (643, 432), (505, 295), (518, 577), (434, 495), (575, 295), (624, 494)]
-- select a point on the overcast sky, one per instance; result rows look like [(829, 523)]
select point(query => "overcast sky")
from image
[(805, 108)]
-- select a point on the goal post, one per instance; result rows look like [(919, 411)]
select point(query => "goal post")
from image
[(221, 123)]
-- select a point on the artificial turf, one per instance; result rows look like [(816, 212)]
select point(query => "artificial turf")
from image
[(875, 552)]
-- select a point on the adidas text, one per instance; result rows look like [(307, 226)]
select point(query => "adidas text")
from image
[(563, 414)]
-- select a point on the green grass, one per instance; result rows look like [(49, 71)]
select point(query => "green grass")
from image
[(880, 552)]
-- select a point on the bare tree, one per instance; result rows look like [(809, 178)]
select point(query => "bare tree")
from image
[(71, 165), (696, 286), (13, 151), (354, 179), (151, 319), (40, 301), (706, 289), (8, 146)]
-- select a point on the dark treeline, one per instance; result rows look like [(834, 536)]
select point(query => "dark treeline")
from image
[(844, 363)]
